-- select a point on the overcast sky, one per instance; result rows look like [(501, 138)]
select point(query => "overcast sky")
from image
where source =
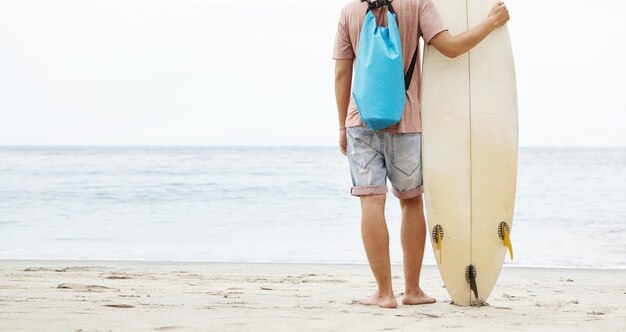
[(260, 72)]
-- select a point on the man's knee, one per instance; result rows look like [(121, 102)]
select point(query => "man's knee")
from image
[(411, 202)]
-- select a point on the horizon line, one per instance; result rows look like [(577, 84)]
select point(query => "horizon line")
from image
[(260, 145)]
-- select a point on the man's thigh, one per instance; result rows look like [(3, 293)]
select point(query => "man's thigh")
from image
[(404, 164), (367, 162)]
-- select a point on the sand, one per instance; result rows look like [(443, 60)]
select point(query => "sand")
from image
[(184, 296)]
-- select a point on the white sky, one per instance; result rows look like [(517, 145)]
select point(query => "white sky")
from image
[(260, 72)]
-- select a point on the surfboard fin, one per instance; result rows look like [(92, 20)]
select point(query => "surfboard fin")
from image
[(438, 238), (503, 232), (470, 276)]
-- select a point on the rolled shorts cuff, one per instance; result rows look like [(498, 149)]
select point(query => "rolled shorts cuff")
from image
[(368, 190), (409, 193)]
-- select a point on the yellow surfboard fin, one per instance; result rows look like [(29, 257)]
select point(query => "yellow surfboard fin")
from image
[(439, 238), (507, 240)]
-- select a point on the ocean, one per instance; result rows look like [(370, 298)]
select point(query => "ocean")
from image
[(276, 204)]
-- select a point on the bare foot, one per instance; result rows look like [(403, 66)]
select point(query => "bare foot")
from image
[(417, 297), (383, 302)]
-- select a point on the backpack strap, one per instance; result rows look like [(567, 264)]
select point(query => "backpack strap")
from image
[(409, 73), (373, 4)]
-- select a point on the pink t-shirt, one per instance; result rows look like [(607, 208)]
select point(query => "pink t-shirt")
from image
[(416, 18)]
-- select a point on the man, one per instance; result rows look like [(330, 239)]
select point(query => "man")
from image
[(394, 152)]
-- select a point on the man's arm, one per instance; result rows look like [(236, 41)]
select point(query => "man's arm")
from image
[(453, 46), (343, 87)]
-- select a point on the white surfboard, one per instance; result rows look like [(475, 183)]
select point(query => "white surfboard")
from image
[(470, 146)]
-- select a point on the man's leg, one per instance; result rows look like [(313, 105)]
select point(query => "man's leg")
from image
[(413, 241), (405, 174), (368, 172), (376, 241)]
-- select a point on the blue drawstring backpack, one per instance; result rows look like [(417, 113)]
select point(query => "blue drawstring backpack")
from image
[(380, 84)]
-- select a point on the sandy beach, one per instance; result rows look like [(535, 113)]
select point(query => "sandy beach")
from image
[(183, 296)]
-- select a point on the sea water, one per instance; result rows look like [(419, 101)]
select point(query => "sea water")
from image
[(276, 204)]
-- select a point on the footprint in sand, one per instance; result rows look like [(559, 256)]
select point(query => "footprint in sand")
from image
[(87, 288), (118, 277), (118, 305)]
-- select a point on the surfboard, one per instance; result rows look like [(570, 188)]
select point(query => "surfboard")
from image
[(469, 153)]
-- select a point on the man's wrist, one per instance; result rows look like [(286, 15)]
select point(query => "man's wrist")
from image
[(491, 24)]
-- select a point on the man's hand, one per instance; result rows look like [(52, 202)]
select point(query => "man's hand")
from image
[(342, 142), (499, 14), (453, 46)]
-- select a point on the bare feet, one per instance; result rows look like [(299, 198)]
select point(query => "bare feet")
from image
[(381, 301), (417, 297)]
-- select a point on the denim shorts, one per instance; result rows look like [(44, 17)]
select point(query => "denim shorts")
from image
[(375, 156)]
